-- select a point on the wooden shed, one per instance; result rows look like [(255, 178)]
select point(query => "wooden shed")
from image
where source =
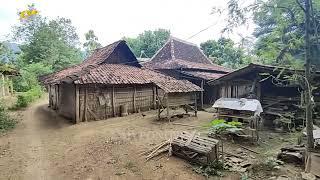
[(111, 83), (184, 60), (7, 72), (279, 99)]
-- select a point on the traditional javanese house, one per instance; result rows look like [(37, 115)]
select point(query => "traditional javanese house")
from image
[(111, 83), (184, 60)]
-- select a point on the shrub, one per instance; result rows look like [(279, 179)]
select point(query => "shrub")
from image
[(220, 126), (25, 98), (5, 121), (214, 168)]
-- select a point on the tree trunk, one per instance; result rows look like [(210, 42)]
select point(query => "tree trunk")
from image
[(309, 121)]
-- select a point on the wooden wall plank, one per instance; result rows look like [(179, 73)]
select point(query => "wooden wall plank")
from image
[(113, 103), (134, 99), (85, 105), (77, 106)]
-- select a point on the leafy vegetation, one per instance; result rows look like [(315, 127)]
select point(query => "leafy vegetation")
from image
[(25, 98), (224, 52), (287, 31), (47, 46), (219, 126), (148, 42), (214, 168), (52, 43), (6, 122), (91, 43)]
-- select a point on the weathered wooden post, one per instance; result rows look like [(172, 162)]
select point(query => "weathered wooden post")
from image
[(201, 94), (113, 103), (195, 104), (77, 100)]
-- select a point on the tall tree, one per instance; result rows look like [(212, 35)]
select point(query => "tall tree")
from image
[(53, 43), (280, 32), (148, 43), (224, 52), (309, 123), (91, 42)]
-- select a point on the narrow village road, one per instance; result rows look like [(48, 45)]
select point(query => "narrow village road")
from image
[(25, 149)]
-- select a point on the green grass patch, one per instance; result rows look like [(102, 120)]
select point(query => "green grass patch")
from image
[(25, 98)]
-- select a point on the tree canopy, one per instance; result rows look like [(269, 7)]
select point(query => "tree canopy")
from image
[(148, 42), (91, 42), (53, 43), (224, 52), (280, 28)]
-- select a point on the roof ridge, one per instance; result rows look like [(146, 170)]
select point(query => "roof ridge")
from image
[(168, 40), (183, 41), (172, 49)]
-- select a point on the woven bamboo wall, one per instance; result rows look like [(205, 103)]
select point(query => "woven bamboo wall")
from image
[(177, 99), (66, 106), (102, 102), (235, 90), (53, 96)]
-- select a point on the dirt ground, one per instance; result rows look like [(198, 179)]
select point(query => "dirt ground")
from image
[(47, 146)]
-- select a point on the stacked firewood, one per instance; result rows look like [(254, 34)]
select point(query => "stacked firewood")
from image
[(286, 110)]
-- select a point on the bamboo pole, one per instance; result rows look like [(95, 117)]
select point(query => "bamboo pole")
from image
[(154, 97), (195, 104), (167, 104), (113, 103), (201, 95), (134, 99), (158, 103), (77, 107), (85, 105)]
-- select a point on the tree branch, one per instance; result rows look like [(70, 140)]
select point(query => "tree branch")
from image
[(300, 5)]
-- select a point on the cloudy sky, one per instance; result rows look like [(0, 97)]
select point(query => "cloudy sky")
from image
[(113, 19)]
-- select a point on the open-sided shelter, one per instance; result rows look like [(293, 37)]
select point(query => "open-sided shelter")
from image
[(280, 98), (110, 83)]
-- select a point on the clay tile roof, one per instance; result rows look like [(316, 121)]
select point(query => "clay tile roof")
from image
[(177, 54), (99, 56), (115, 74), (102, 68), (203, 75)]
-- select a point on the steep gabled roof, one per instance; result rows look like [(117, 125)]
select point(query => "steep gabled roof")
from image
[(115, 64), (115, 53), (177, 54)]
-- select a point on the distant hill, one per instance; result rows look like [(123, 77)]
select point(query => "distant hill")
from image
[(14, 47)]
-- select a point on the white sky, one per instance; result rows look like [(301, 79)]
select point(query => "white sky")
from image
[(113, 19)]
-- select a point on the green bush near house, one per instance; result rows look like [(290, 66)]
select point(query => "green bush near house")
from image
[(25, 98), (6, 122)]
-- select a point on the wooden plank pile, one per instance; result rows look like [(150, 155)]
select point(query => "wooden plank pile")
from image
[(192, 147), (189, 146)]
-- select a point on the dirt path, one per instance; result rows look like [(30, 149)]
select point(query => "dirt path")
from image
[(45, 146), (25, 148)]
